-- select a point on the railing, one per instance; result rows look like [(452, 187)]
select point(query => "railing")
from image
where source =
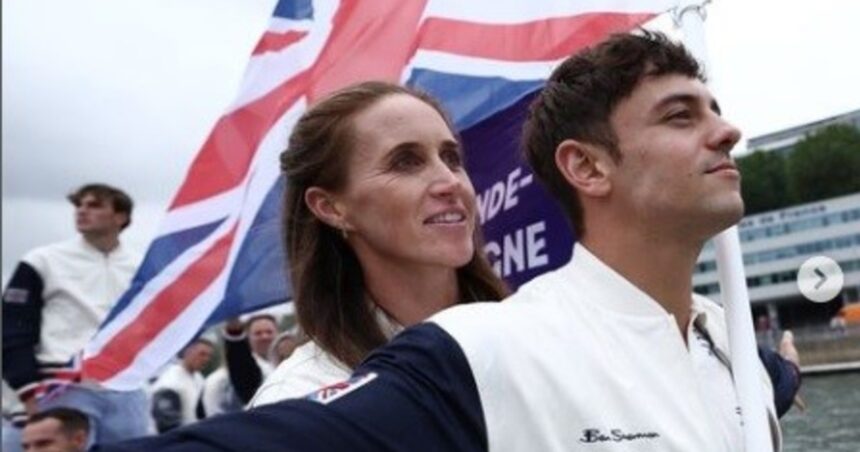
[(820, 345), (810, 334)]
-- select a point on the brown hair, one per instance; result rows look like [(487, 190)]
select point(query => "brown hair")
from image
[(579, 98), (120, 201), (327, 280), (256, 317), (71, 419)]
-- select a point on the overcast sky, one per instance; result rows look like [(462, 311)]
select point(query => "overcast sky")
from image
[(125, 91)]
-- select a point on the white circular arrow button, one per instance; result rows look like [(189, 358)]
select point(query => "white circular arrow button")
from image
[(820, 279)]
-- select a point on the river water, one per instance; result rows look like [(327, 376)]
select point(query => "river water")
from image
[(831, 422)]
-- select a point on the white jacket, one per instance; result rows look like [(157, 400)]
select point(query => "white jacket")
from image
[(582, 356)]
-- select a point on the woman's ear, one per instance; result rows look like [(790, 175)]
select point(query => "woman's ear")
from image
[(586, 167), (324, 206)]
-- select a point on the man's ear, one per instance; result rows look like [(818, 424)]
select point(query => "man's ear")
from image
[(119, 219), (123, 219), (79, 439), (324, 206), (585, 167)]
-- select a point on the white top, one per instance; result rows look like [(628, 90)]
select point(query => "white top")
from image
[(310, 368), (580, 358), (186, 384), (218, 394), (81, 284)]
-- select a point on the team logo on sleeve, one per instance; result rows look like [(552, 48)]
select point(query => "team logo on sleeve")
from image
[(335, 391), (15, 295)]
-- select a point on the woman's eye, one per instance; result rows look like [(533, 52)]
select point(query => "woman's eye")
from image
[(452, 158), (405, 161)]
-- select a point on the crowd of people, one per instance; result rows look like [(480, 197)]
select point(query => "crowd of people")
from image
[(416, 342), (58, 296)]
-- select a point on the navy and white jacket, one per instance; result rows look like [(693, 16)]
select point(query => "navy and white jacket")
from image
[(53, 304), (578, 359)]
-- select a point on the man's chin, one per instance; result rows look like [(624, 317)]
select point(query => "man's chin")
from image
[(728, 214)]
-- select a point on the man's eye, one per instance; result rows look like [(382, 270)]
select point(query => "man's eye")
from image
[(679, 115)]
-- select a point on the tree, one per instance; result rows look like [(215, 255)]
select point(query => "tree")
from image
[(763, 185), (825, 164)]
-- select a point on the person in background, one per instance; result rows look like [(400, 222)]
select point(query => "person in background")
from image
[(283, 347), (57, 297), (247, 363), (784, 371), (56, 430), (176, 392), (14, 419)]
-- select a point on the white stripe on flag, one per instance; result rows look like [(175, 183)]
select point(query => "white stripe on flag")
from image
[(480, 67), (519, 11)]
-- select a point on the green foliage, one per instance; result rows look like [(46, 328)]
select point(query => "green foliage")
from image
[(825, 164), (763, 185)]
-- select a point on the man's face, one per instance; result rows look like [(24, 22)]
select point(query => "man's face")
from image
[(285, 347), (197, 356), (261, 333), (47, 435), (676, 174), (96, 216)]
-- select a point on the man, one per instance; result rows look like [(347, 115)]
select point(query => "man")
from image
[(176, 392), (283, 347), (611, 352), (248, 362), (55, 301), (56, 430)]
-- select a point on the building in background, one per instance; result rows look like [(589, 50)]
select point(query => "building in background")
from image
[(776, 243), (783, 141)]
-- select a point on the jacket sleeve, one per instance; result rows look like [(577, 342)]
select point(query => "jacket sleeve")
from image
[(245, 375), (785, 377), (22, 321), (415, 394)]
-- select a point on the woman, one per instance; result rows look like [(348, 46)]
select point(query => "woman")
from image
[(381, 229)]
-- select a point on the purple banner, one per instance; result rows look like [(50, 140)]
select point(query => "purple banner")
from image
[(525, 230)]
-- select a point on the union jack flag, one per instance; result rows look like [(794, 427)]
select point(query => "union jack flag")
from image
[(218, 250)]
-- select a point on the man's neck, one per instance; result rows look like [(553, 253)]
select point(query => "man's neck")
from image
[(659, 266), (104, 243), (188, 368)]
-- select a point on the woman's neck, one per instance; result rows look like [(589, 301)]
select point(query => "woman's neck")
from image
[(408, 294)]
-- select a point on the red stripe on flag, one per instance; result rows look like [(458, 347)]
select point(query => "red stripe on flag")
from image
[(543, 40), (224, 160), (369, 40), (273, 42), (119, 353)]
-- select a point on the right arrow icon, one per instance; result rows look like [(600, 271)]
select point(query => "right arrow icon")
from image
[(822, 276), (820, 279)]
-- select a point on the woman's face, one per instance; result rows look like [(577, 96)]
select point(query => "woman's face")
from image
[(407, 200)]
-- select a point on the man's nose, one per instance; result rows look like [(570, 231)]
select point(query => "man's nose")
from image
[(724, 137)]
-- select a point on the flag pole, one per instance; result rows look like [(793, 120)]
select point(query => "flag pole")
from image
[(690, 17)]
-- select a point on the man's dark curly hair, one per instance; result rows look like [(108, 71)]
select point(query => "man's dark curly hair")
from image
[(579, 98)]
